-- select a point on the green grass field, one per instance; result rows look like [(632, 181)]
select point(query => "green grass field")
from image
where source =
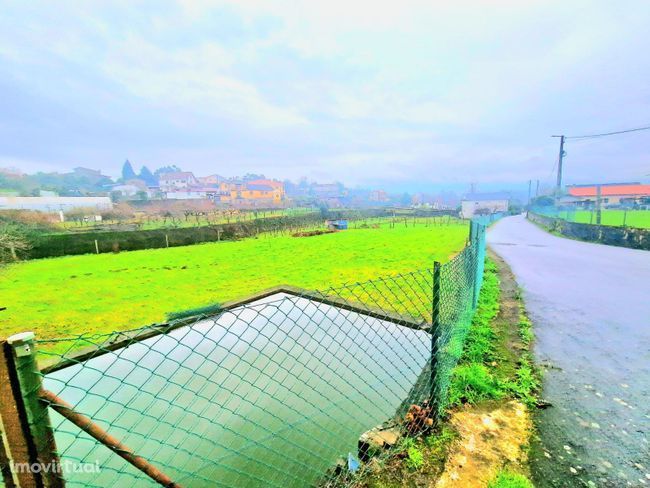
[(630, 218), (108, 292)]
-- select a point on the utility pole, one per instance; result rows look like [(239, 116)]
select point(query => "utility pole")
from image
[(530, 184), (558, 185), (537, 189)]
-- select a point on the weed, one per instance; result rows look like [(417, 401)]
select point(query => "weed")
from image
[(525, 329), (509, 479), (439, 442), (472, 383), (414, 458)]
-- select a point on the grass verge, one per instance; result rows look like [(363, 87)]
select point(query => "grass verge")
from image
[(485, 370)]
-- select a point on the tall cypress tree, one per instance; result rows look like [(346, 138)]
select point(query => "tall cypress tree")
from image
[(127, 171), (147, 176)]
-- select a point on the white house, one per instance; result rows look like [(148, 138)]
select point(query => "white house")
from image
[(483, 204), (55, 204), (193, 194), (177, 180)]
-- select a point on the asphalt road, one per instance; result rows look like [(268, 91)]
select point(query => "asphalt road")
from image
[(590, 305)]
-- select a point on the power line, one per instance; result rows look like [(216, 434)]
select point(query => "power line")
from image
[(589, 136)]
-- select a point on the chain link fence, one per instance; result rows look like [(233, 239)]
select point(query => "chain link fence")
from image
[(613, 217), (274, 390)]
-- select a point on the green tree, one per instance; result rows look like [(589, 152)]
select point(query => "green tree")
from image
[(542, 201), (147, 176), (167, 169), (127, 171)]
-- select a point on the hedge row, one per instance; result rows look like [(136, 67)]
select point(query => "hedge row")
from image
[(65, 244)]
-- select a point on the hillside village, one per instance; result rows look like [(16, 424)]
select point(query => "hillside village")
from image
[(249, 191)]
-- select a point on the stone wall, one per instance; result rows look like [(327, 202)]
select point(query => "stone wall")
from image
[(604, 234)]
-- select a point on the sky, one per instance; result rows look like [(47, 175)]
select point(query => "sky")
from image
[(405, 94)]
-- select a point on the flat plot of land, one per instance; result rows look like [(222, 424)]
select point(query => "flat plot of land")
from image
[(616, 218), (103, 293)]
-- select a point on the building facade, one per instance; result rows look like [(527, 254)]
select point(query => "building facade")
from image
[(483, 204), (56, 204), (611, 194), (177, 180)]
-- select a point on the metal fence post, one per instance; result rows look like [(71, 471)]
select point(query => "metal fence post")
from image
[(479, 245), (475, 251), (40, 435), (435, 328)]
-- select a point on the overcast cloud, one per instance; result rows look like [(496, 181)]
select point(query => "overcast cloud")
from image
[(366, 92)]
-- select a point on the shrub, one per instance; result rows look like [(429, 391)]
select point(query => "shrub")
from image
[(14, 242)]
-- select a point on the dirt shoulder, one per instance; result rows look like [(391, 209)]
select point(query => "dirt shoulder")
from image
[(493, 436)]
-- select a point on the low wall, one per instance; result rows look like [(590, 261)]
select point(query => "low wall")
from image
[(631, 237)]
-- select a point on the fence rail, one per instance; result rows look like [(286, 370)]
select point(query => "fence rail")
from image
[(268, 391)]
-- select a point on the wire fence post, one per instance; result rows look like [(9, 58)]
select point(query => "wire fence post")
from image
[(37, 425), (474, 245), (435, 328), (477, 244)]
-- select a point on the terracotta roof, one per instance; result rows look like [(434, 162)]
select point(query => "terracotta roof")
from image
[(271, 183), (632, 190)]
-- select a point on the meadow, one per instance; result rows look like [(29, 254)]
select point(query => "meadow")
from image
[(108, 292), (612, 217)]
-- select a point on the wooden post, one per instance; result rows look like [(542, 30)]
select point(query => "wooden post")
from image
[(435, 328), (15, 441), (96, 247), (37, 416), (166, 240)]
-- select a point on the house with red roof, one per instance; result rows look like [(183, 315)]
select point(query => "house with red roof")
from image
[(610, 194)]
